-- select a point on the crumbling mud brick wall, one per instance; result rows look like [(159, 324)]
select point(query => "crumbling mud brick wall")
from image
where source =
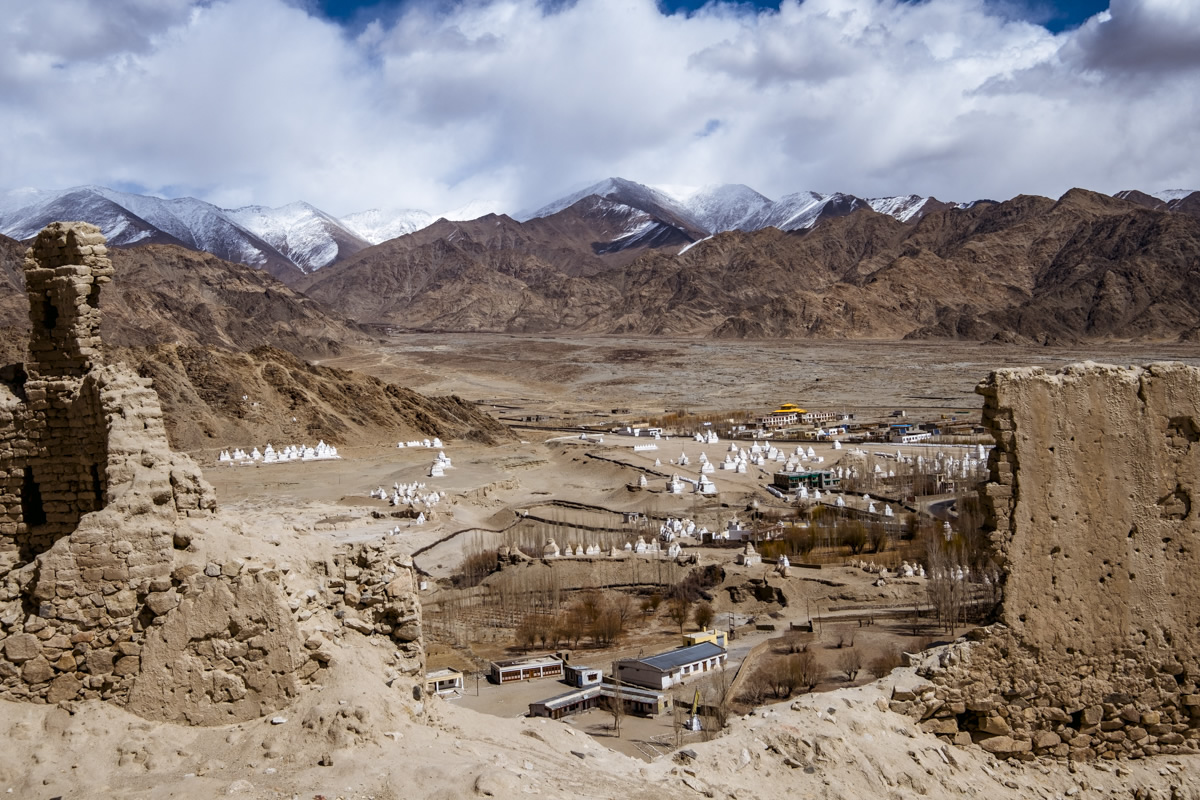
[(100, 597), (1092, 504)]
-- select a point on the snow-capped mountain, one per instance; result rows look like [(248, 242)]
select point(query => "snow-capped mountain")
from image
[(377, 226), (716, 208), (648, 199), (306, 236), (286, 241), (723, 207), (1170, 195), (1177, 201), (472, 211), (612, 216)]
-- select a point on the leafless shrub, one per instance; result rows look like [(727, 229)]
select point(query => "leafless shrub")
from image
[(850, 663), (886, 661), (678, 610), (806, 672)]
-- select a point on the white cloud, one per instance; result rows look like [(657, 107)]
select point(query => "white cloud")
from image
[(242, 101)]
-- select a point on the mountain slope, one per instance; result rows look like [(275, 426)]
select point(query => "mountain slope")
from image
[(990, 270), (376, 226), (223, 344), (286, 242), (306, 236), (217, 398)]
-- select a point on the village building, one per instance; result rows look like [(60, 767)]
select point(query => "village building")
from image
[(444, 682), (580, 676), (904, 433), (787, 414), (810, 479), (564, 705), (813, 417), (669, 669), (524, 669), (700, 637), (635, 699)]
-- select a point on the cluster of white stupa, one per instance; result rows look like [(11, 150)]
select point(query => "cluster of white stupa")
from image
[(681, 485), (435, 443), (680, 527), (409, 494), (640, 547), (905, 570), (955, 572), (706, 437), (969, 465), (440, 465), (269, 455), (739, 459)]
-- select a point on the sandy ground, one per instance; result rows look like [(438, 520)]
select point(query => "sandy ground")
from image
[(602, 372), (380, 744)]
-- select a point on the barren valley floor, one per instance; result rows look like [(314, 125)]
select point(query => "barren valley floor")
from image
[(644, 373)]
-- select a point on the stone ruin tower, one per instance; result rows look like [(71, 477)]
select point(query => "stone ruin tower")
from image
[(104, 589), (91, 492), (74, 432)]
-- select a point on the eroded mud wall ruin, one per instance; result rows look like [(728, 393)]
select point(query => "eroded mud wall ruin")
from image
[(1091, 503), (101, 595)]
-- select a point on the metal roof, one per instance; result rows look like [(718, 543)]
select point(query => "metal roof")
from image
[(569, 698), (628, 692), (665, 662), (533, 661)]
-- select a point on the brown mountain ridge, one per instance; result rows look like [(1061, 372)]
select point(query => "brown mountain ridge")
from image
[(1029, 269)]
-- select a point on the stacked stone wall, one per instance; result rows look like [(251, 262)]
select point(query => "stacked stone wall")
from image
[(100, 595), (1091, 510)]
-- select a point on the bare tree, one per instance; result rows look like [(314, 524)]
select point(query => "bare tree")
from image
[(806, 671), (946, 591), (887, 661), (616, 703), (756, 686), (720, 684), (678, 611), (527, 631), (879, 537), (850, 662), (703, 615), (609, 624)]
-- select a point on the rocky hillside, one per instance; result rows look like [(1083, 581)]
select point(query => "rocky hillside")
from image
[(164, 293), (168, 293), (1029, 269), (210, 332), (212, 397)]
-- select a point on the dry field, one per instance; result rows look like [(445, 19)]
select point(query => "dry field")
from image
[(601, 372)]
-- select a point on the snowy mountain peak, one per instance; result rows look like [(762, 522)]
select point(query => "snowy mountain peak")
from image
[(376, 225), (902, 208), (294, 236), (636, 195), (1168, 195)]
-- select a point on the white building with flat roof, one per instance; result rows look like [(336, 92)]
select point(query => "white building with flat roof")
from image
[(673, 667)]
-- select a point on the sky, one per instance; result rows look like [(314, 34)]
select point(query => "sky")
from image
[(509, 104)]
